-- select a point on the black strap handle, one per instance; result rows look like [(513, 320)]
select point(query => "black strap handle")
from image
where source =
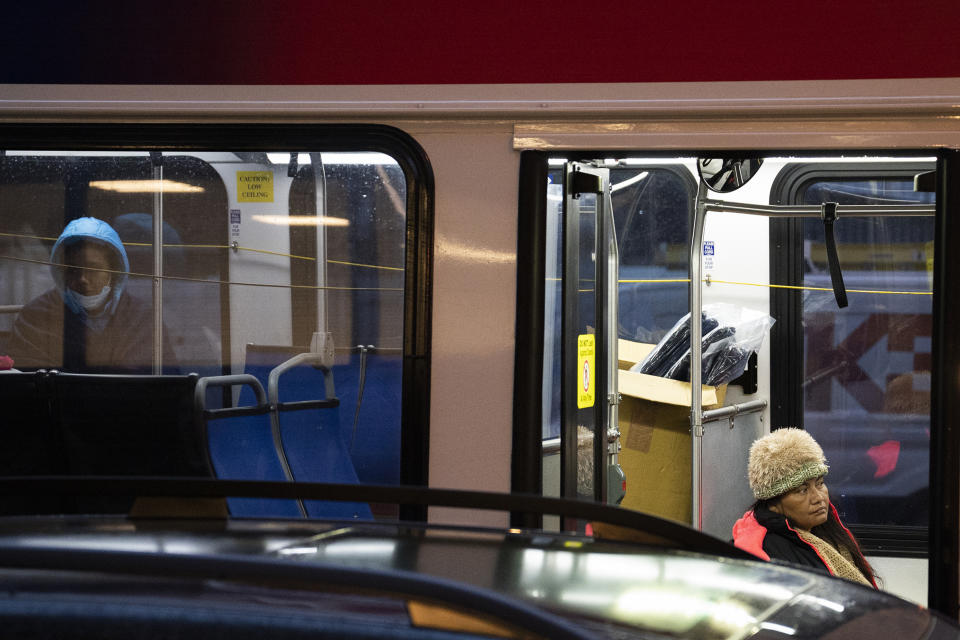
[(828, 214)]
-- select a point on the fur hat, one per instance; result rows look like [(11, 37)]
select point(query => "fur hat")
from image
[(783, 460)]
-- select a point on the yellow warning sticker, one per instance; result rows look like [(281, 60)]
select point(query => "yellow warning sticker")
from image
[(586, 356), (254, 186)]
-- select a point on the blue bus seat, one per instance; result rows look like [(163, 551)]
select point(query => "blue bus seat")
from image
[(369, 418), (374, 441), (310, 433), (307, 412), (241, 445)]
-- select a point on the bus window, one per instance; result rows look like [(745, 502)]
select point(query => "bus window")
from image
[(42, 193), (652, 216), (651, 207), (866, 380), (216, 262)]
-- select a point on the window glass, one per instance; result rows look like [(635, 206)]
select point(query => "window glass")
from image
[(652, 217), (866, 389), (216, 263), (651, 212)]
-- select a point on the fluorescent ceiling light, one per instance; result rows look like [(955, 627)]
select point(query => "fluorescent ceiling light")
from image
[(851, 159), (90, 154), (303, 221), (663, 160), (276, 157), (613, 162), (353, 158), (145, 186)]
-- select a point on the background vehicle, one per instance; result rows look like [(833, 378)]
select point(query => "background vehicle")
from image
[(322, 578), (471, 410)]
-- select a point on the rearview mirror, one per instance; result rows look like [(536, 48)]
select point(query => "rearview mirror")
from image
[(726, 174)]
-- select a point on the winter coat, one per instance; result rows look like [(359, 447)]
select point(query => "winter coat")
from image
[(53, 332), (768, 535)]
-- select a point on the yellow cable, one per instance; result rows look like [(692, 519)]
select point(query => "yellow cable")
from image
[(200, 280), (787, 286), (780, 286), (18, 235), (220, 246), (370, 266)]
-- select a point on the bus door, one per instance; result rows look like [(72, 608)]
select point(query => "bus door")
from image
[(588, 330)]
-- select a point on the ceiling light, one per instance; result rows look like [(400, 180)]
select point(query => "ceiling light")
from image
[(303, 221), (145, 186)]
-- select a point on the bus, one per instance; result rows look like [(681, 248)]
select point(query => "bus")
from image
[(434, 246)]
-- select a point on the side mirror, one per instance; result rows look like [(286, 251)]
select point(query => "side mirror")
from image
[(727, 174)]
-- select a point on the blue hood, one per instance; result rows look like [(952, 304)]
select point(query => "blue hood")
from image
[(98, 231)]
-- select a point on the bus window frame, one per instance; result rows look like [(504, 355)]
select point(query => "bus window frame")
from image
[(527, 450), (260, 137), (786, 339)]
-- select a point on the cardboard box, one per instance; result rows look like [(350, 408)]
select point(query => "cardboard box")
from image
[(655, 436)]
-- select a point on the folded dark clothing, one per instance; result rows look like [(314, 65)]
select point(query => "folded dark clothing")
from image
[(673, 348), (728, 364), (682, 369)]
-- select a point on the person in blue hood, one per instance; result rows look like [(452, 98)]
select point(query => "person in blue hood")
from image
[(87, 323)]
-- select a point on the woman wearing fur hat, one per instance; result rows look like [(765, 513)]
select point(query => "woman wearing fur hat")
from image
[(793, 519)]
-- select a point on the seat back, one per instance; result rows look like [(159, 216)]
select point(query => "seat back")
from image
[(307, 422), (29, 447), (374, 439), (242, 446), (32, 444), (129, 425), (368, 384), (90, 424)]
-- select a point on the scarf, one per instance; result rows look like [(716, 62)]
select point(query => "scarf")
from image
[(838, 561)]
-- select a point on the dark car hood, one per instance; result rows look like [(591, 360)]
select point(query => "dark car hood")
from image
[(672, 592)]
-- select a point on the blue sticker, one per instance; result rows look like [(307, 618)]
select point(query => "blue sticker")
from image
[(708, 248)]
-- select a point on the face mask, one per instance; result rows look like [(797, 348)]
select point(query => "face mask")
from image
[(93, 302)]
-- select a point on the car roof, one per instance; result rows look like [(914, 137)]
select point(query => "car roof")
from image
[(629, 586)]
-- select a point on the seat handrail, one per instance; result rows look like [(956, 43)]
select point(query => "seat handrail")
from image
[(315, 359), (202, 414), (200, 395), (273, 394)]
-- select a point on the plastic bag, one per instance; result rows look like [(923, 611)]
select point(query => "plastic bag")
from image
[(672, 347), (730, 335)]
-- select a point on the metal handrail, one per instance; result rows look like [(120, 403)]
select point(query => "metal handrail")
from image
[(754, 406), (273, 394)]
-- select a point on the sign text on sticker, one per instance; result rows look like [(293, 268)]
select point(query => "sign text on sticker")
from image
[(586, 350), (709, 255), (254, 186), (235, 223)]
